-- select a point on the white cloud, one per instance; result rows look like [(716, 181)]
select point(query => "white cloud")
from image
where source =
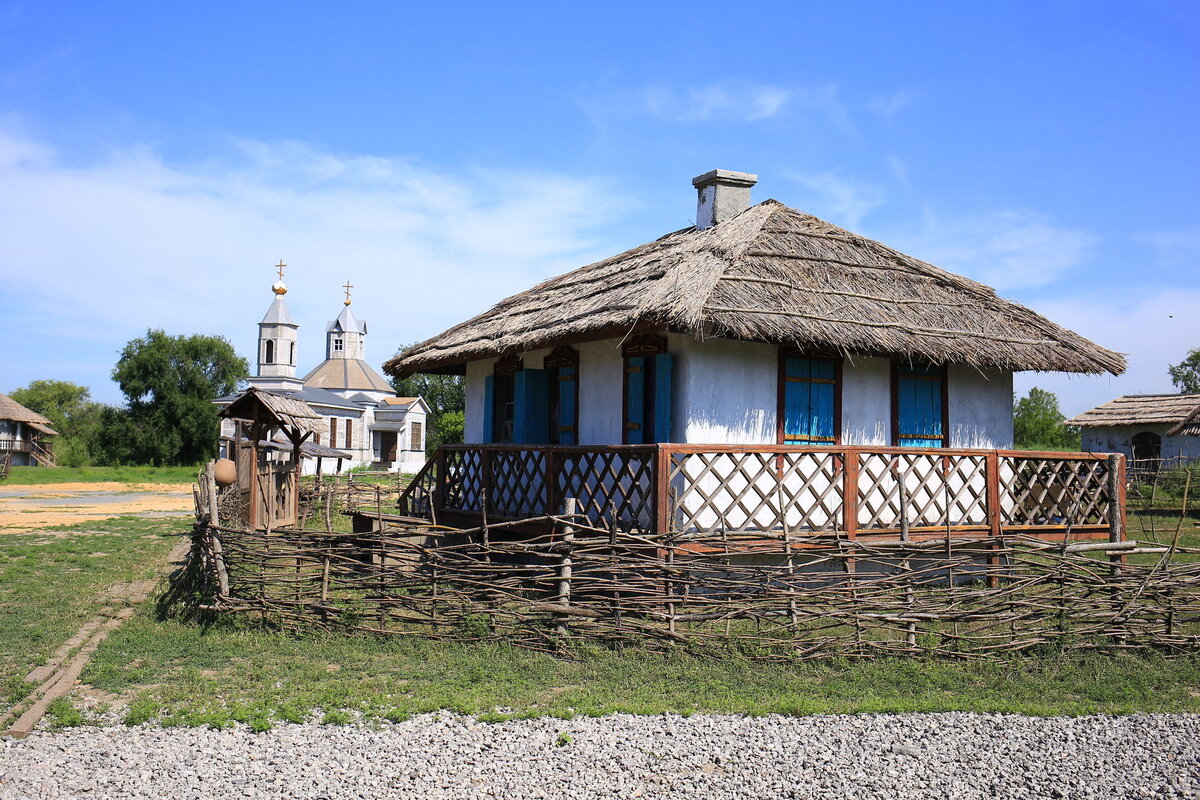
[(94, 255), (1004, 249), (725, 100), (1154, 330), (1180, 248), (891, 105), (842, 201)]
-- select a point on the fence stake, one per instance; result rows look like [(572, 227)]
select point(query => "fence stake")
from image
[(1116, 510), (564, 566), (910, 637)]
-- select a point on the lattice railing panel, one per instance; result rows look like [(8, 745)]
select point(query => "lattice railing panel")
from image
[(609, 485), (518, 483), (463, 479), (1051, 491), (940, 490), (788, 490)]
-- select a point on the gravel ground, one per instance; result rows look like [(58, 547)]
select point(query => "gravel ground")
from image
[(954, 755)]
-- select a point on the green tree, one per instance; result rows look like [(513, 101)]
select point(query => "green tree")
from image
[(1038, 423), (169, 383), (72, 413), (446, 397), (1186, 374)]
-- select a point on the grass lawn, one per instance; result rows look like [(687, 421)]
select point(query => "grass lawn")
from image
[(184, 674), (50, 584), (42, 475)]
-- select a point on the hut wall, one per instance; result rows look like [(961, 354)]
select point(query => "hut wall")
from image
[(725, 391), (867, 401), (1117, 439), (981, 407)]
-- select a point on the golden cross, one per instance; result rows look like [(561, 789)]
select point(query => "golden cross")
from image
[(348, 287), (280, 267)]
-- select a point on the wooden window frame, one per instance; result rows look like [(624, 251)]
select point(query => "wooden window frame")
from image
[(780, 397), (349, 433), (645, 345), (333, 432), (895, 391), (416, 436), (268, 352), (565, 356)]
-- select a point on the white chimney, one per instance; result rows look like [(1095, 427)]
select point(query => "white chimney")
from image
[(721, 194)]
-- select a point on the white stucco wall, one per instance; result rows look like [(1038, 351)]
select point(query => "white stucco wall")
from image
[(981, 407), (1117, 439), (866, 401), (726, 392)]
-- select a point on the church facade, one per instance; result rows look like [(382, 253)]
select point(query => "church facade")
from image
[(362, 418)]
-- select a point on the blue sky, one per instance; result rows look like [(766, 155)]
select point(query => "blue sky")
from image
[(157, 158)]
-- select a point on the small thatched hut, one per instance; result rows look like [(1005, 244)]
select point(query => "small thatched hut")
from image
[(23, 435), (759, 325), (1145, 427)]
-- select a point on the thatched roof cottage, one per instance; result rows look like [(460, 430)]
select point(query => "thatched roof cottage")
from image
[(759, 325), (1145, 427), (23, 435)]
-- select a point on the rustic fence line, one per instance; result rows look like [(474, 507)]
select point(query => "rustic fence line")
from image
[(768, 595)]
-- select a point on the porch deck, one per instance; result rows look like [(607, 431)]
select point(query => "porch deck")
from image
[(707, 492)]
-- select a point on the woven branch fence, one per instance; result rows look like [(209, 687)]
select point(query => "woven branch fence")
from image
[(768, 596)]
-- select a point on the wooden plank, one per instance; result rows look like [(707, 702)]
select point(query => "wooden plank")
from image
[(661, 478)]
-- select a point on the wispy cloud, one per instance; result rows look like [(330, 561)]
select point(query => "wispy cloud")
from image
[(843, 201), (1180, 248), (727, 101), (1007, 249), (888, 106), (105, 250)]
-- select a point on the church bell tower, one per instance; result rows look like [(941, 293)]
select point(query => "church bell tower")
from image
[(277, 342)]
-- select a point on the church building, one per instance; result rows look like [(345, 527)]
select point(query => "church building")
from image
[(361, 415)]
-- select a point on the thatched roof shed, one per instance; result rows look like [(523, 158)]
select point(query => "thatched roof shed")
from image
[(771, 274), (12, 410), (1141, 409)]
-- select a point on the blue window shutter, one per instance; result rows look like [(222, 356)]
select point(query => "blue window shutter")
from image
[(796, 400), (809, 397), (635, 395), (567, 413), (919, 401), (664, 368), (531, 401), (489, 409)]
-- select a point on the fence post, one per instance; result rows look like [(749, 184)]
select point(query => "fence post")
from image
[(850, 499), (995, 528), (564, 565), (1116, 506), (663, 512)]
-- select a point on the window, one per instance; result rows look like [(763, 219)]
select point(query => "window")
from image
[(292, 354), (338, 344), (810, 401), (562, 385), (500, 400), (333, 432), (647, 407), (349, 433), (919, 412), (418, 441), (268, 352)]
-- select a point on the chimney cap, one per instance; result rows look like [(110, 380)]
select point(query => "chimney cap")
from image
[(724, 176)]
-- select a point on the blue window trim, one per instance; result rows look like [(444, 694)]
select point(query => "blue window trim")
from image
[(915, 371), (781, 436)]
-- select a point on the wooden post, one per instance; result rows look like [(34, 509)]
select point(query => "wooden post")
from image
[(565, 565), (439, 493), (1116, 506), (910, 637), (850, 500), (612, 552), (994, 511), (210, 489), (662, 523)]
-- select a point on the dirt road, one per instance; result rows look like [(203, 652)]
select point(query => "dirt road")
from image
[(25, 508)]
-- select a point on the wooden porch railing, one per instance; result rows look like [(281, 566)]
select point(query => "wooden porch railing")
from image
[(707, 490)]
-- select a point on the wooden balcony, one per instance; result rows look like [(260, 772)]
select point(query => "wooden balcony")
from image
[(712, 493)]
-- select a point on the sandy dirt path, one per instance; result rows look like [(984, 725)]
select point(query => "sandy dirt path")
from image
[(25, 508)]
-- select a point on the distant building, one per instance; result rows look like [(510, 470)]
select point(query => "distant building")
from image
[(23, 433), (361, 414), (1144, 427)]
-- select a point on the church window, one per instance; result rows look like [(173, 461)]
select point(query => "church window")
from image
[(337, 344), (349, 433), (417, 440), (269, 352), (292, 354), (333, 432)]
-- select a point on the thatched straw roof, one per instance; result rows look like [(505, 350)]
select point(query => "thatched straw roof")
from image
[(1140, 409), (11, 409), (772, 274), (274, 408)]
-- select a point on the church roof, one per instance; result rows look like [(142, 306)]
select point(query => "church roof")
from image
[(278, 313), (347, 373), (771, 274), (346, 321)]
